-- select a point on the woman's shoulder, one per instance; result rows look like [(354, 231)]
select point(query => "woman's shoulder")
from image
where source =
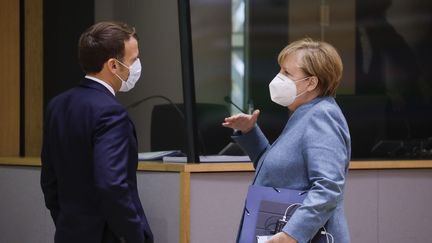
[(327, 111), (325, 106), (326, 123)]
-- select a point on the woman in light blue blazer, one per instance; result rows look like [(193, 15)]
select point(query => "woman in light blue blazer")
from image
[(313, 151)]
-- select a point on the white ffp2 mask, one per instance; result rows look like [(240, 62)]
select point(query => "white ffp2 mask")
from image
[(283, 90)]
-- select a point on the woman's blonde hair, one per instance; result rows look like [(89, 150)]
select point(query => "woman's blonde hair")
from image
[(317, 58)]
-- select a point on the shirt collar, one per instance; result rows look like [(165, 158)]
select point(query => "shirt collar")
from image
[(101, 82)]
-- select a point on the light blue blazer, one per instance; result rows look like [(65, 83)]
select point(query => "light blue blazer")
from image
[(313, 154)]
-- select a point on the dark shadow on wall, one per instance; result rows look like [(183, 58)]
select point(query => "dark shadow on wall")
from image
[(63, 23), (267, 36), (386, 64), (390, 66)]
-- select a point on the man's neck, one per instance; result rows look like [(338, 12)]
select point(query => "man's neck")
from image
[(103, 82), (107, 79)]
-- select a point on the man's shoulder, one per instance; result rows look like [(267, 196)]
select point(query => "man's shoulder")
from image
[(60, 98), (80, 97), (85, 93)]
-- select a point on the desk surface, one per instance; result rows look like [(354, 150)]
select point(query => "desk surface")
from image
[(234, 167)]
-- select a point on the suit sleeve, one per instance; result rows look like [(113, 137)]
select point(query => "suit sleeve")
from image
[(112, 140), (325, 151), (48, 178), (49, 185)]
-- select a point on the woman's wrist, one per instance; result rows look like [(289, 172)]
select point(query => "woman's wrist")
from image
[(290, 238), (244, 131)]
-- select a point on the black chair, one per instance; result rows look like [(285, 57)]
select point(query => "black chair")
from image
[(168, 130)]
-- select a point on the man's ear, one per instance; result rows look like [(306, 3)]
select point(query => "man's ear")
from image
[(111, 64), (313, 83)]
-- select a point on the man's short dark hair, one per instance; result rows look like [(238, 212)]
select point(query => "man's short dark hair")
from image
[(101, 42)]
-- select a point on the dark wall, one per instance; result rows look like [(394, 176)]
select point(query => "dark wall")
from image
[(267, 36), (64, 21)]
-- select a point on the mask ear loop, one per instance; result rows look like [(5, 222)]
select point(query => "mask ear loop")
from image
[(119, 77), (124, 65), (299, 80)]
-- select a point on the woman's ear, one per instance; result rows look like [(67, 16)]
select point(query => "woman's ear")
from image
[(313, 83)]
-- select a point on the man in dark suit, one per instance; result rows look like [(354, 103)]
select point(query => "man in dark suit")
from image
[(89, 154)]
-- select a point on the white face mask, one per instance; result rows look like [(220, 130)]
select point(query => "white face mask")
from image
[(283, 90), (134, 75)]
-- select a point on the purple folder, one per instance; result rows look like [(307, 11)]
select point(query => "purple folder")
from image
[(264, 207)]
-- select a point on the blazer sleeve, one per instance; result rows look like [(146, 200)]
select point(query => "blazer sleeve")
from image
[(325, 151), (112, 140), (254, 143)]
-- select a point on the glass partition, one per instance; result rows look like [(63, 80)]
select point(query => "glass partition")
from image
[(385, 92), (385, 45)]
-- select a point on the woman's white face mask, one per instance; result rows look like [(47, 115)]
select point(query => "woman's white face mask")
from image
[(283, 90), (134, 75)]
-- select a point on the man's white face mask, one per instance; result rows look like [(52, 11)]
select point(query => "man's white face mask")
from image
[(134, 75)]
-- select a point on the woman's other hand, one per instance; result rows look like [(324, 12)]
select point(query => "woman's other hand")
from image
[(281, 237), (242, 122)]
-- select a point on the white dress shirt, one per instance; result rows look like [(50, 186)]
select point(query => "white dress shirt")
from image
[(101, 82)]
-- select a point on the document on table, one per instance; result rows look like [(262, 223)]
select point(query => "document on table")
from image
[(209, 159), (158, 155)]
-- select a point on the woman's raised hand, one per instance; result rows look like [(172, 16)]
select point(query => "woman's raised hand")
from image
[(242, 122)]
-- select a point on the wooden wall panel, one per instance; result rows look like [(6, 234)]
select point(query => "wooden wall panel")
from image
[(33, 76), (9, 78)]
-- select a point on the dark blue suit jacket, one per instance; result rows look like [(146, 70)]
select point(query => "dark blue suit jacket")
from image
[(89, 162)]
